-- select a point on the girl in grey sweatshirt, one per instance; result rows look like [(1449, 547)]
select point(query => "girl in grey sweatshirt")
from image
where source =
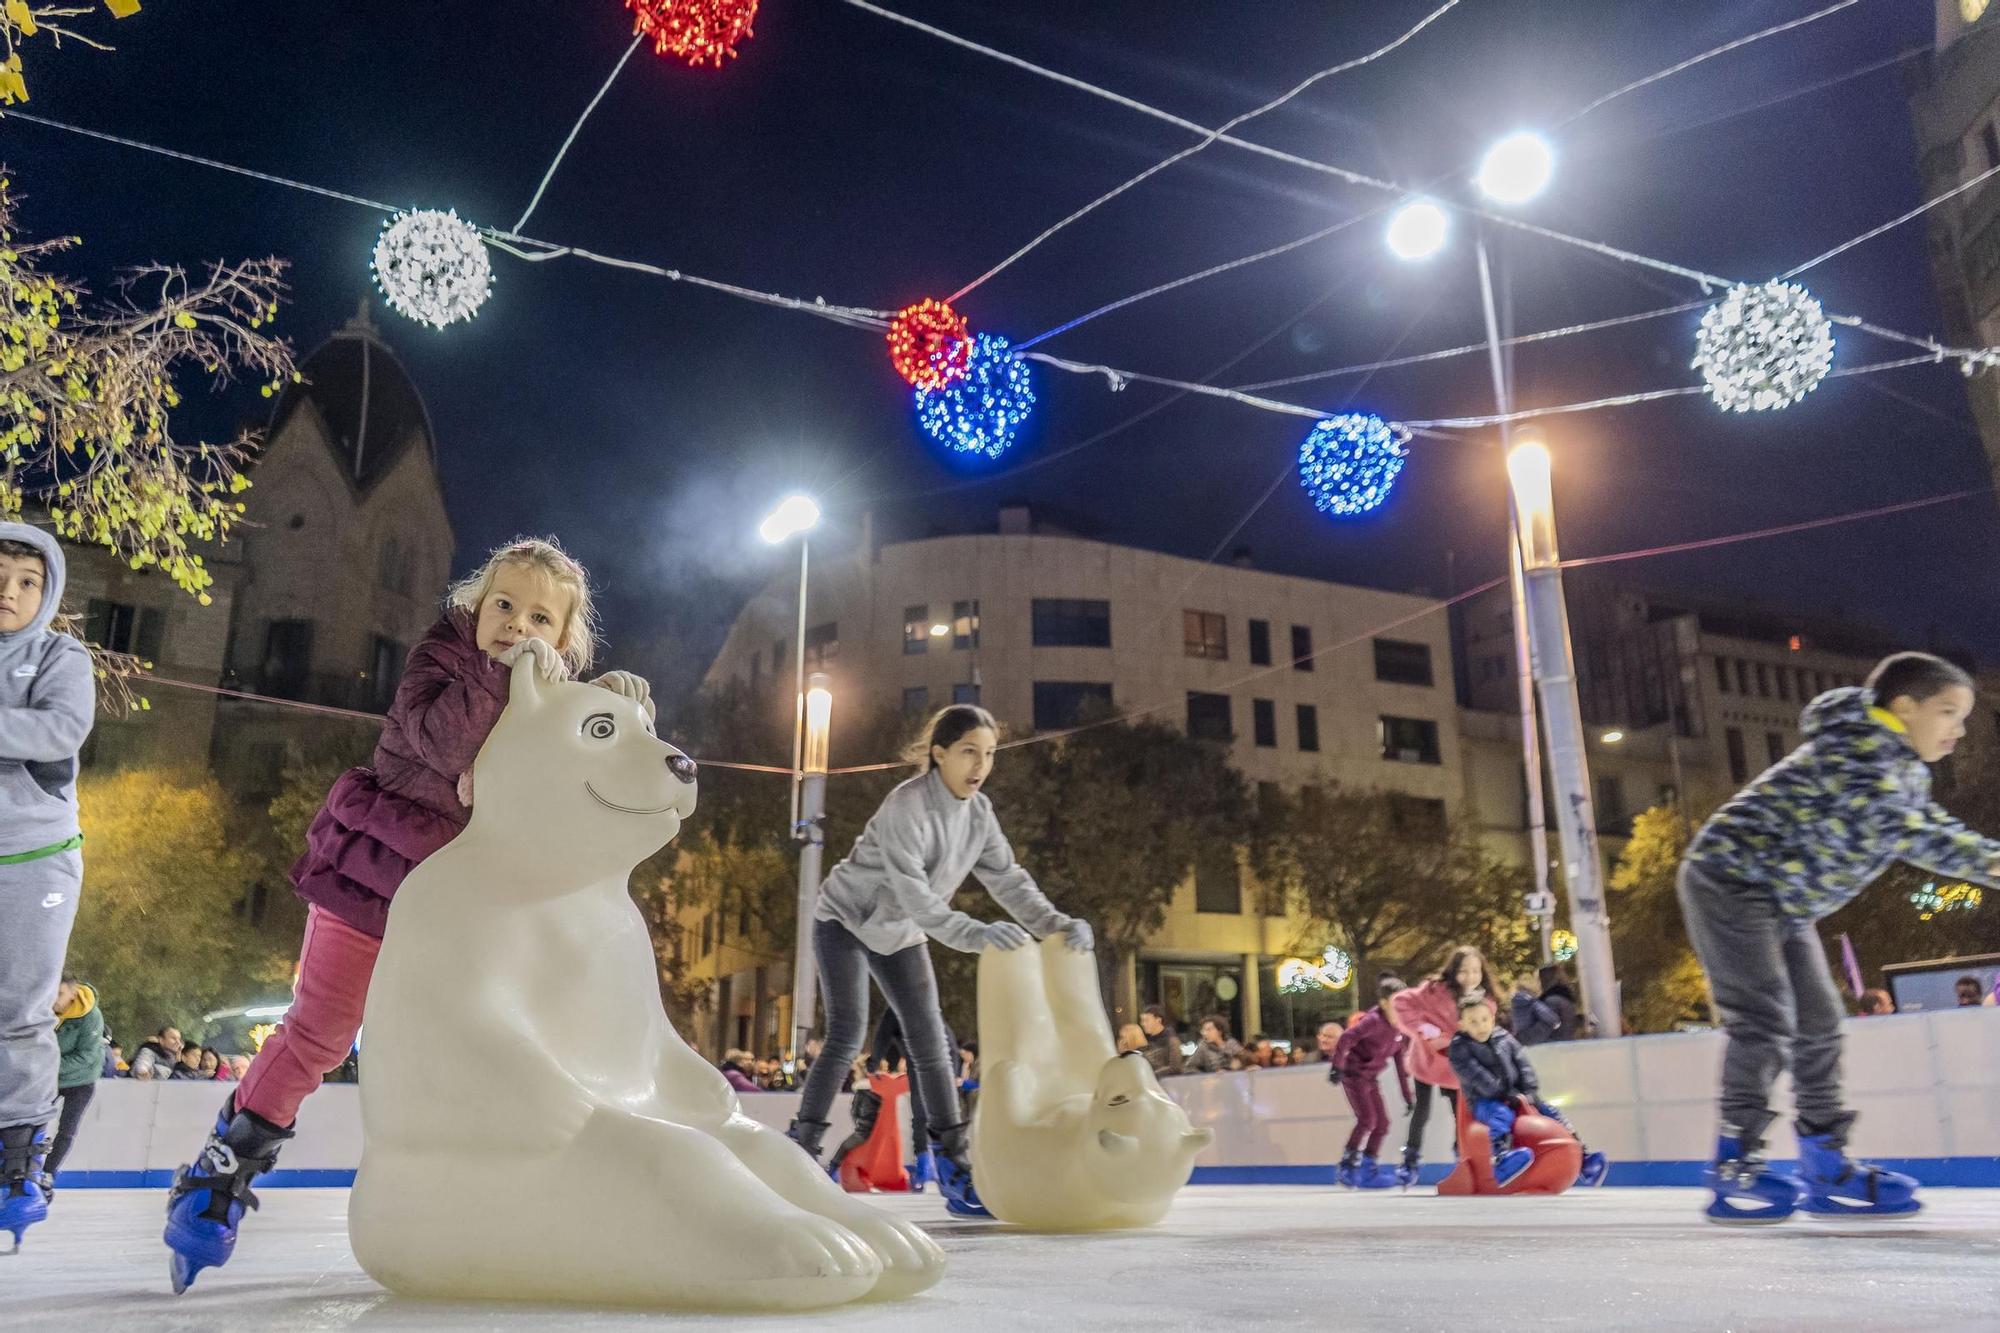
[(877, 907)]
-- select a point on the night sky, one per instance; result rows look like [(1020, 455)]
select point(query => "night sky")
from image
[(650, 424)]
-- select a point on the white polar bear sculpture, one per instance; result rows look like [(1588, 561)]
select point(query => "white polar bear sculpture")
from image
[(1069, 1135), (534, 1128)]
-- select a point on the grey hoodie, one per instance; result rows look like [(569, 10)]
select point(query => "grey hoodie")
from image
[(896, 886), (48, 698)]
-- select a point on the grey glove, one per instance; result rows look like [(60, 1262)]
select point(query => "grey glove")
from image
[(1077, 935), (1004, 936)]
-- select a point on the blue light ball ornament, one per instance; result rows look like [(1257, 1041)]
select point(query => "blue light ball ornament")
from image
[(1350, 462), (981, 411)]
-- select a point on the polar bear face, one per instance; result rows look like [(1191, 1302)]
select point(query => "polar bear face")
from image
[(578, 767), (1141, 1142)]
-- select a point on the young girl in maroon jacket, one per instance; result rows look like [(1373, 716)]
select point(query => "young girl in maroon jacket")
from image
[(377, 824), (1358, 1060)]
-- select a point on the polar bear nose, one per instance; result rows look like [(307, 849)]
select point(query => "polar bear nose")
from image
[(681, 767)]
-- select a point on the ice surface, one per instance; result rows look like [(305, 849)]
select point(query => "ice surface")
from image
[(1226, 1257)]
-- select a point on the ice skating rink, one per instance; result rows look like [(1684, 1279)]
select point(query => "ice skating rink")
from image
[(1227, 1256)]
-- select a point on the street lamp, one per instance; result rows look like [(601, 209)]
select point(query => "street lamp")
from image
[(1417, 230), (1530, 470), (816, 713), (797, 516), (1517, 168)]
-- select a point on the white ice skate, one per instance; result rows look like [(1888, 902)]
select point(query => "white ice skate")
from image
[(535, 1129)]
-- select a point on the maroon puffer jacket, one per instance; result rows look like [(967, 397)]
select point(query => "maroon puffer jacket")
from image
[(379, 822)]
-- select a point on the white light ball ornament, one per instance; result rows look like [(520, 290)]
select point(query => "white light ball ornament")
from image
[(432, 267), (1762, 348), (1349, 463)]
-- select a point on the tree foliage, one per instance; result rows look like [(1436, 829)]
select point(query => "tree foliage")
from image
[(158, 929), (1393, 890), (1661, 983), (87, 393), (22, 19)]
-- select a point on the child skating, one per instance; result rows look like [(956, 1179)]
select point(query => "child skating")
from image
[(48, 697), (1797, 844), (1493, 1070), (377, 824), (894, 889), (1358, 1059)]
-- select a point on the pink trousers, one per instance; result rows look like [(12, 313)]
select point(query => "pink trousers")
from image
[(317, 1032)]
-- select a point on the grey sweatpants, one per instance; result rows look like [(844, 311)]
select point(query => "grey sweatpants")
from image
[(37, 909), (1775, 994)]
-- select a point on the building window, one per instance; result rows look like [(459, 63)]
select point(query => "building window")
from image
[(1416, 816), (1722, 674), (1071, 623), (118, 628), (777, 659), (392, 567), (1208, 717), (1805, 686), (1061, 703), (1264, 722), (1743, 678), (1308, 728), (1774, 745), (965, 694), (707, 933), (1784, 684), (1763, 681), (1401, 663), (287, 659), (1990, 138), (1410, 740), (385, 671), (1218, 880), (1260, 643), (965, 624), (1302, 648), (822, 644), (1739, 759), (916, 630), (1205, 634), (916, 699), (1611, 805)]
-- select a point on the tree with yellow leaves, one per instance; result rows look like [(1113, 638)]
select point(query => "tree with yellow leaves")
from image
[(87, 394), (20, 20)]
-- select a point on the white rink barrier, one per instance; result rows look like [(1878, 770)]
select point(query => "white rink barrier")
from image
[(1926, 1085)]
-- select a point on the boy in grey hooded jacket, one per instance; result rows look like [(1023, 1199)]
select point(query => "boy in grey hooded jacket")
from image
[(47, 701)]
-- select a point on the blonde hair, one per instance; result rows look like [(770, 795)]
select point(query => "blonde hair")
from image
[(546, 557)]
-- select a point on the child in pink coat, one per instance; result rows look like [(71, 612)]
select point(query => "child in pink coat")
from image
[(377, 824), (1428, 1015)]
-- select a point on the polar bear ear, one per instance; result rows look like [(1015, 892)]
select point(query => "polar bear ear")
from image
[(524, 687)]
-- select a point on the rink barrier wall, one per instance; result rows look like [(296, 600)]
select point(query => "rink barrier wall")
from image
[(1926, 1085)]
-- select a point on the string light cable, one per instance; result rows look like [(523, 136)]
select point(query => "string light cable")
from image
[(1207, 140)]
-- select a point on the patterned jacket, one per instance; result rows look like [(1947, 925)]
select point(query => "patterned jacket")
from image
[(1822, 824)]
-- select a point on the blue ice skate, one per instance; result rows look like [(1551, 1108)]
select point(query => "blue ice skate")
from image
[(24, 1192), (954, 1173), (1832, 1184), (1508, 1165), (1748, 1190), (1596, 1166), (1344, 1173), (923, 1171), (211, 1193), (1370, 1174)]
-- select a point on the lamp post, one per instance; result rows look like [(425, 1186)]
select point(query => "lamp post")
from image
[(1528, 469), (797, 516), (816, 710)]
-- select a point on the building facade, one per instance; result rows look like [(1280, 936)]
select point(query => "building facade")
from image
[(1296, 677), (1955, 110)]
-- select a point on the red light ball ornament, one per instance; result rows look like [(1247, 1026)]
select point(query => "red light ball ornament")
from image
[(929, 344), (697, 31)]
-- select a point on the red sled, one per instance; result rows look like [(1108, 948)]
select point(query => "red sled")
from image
[(877, 1165), (1558, 1156)]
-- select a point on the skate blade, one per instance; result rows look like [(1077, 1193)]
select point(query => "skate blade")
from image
[(181, 1272), (1859, 1215)]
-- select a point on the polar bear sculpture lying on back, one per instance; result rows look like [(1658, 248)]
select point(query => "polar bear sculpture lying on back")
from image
[(1069, 1136), (534, 1128)]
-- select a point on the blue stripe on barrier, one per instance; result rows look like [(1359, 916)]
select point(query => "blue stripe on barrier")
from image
[(1941, 1172)]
